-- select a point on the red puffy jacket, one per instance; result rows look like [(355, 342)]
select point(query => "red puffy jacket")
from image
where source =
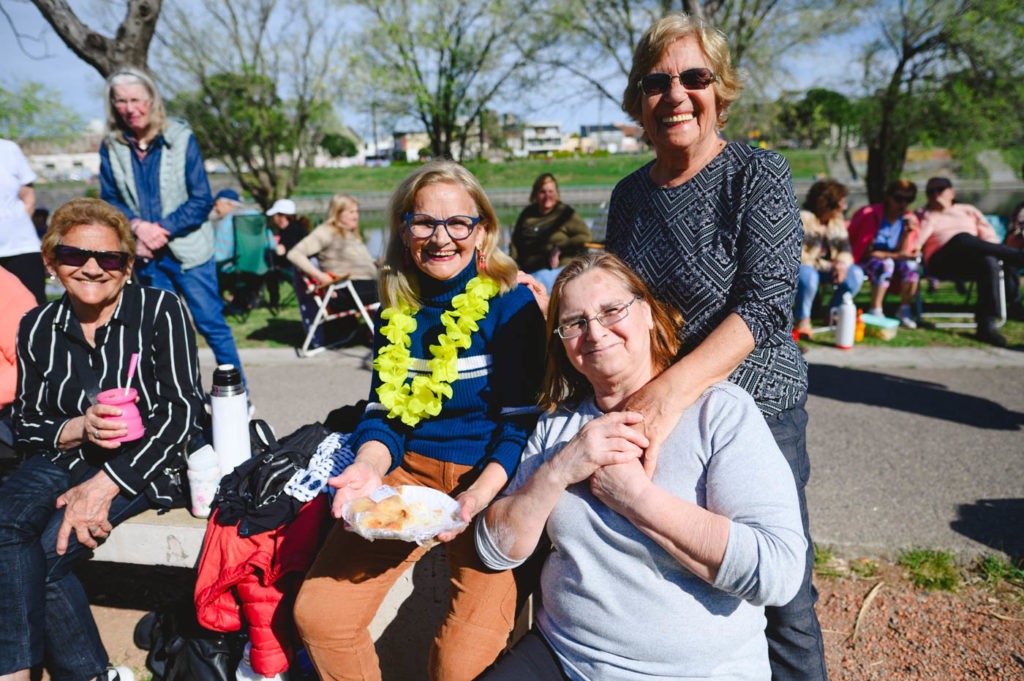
[(263, 572)]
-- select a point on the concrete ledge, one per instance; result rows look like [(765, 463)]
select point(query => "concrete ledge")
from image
[(174, 538)]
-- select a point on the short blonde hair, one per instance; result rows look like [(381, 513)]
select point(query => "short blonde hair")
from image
[(563, 383), (129, 75), (338, 205), (657, 39), (396, 284), (86, 212)]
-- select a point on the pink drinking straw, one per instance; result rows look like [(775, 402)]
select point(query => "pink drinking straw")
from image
[(132, 363)]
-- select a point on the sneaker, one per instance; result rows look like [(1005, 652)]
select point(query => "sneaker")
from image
[(906, 318), (119, 673), (877, 311)]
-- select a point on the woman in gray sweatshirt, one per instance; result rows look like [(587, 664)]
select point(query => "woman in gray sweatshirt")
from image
[(659, 569)]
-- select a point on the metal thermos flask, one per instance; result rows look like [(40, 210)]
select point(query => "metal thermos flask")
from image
[(230, 413), (844, 321)]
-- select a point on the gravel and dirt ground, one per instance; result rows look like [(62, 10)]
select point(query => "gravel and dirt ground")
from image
[(883, 627), (877, 624)]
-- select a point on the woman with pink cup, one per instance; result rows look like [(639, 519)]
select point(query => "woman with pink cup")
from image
[(90, 465)]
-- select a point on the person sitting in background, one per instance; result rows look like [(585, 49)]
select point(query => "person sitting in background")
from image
[(883, 241), (17, 301), (826, 251), (959, 243), (1015, 229), (291, 228), (41, 219), (338, 247), (79, 480), (548, 233), (658, 569)]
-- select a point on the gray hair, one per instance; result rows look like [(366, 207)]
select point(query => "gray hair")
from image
[(130, 75)]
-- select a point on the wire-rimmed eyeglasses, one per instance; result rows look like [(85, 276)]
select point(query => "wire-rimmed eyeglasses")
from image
[(606, 318)]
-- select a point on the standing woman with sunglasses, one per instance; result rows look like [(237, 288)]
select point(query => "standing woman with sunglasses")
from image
[(151, 170), (458, 366), (713, 228), (79, 480)]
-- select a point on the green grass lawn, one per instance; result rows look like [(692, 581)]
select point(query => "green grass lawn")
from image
[(263, 329), (945, 299), (586, 171)]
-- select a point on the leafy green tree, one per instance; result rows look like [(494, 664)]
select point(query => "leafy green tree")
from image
[(941, 70), (820, 117), (33, 110), (443, 62), (240, 119), (339, 145)]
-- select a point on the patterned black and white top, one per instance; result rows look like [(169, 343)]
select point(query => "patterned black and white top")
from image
[(52, 390), (728, 240)]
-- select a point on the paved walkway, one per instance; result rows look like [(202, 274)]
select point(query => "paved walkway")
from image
[(909, 446)]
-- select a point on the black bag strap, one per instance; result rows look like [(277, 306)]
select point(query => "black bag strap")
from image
[(83, 370)]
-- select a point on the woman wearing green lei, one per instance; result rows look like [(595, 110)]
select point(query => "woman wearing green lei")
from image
[(458, 363)]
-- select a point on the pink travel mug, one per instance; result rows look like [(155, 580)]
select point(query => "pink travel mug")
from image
[(125, 401)]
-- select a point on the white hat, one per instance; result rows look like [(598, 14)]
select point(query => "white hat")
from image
[(286, 206)]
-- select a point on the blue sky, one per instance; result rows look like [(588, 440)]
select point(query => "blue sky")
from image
[(81, 87)]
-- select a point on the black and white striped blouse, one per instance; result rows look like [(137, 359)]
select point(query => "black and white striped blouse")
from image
[(50, 392)]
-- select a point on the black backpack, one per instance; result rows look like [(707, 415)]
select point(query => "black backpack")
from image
[(182, 650)]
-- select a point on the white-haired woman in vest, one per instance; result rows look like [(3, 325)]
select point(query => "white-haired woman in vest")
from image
[(152, 171)]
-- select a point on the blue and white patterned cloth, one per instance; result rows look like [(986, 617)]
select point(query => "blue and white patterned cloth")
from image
[(333, 455)]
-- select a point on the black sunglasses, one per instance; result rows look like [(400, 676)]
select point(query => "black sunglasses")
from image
[(902, 198), (692, 79), (76, 257)]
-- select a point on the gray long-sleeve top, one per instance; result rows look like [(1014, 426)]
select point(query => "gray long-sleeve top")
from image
[(616, 606)]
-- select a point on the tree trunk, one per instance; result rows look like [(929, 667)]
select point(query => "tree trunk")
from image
[(128, 47)]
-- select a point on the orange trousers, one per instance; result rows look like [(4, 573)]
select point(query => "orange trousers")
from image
[(351, 576)]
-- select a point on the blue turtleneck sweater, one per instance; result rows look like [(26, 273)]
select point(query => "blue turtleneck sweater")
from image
[(499, 378)]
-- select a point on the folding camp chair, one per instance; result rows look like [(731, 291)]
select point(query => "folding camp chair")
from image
[(253, 265), (952, 320), (323, 294), (597, 228)]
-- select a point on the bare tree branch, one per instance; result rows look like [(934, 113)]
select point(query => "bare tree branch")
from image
[(128, 46)]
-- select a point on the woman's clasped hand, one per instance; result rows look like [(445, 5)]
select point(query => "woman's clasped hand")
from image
[(614, 438)]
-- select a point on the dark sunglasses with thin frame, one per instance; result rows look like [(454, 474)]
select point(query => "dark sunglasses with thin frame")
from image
[(77, 257), (692, 79)]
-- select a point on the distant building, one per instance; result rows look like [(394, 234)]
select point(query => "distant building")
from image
[(540, 139), (66, 160), (407, 145), (613, 138)]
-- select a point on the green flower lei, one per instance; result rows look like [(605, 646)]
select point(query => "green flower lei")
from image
[(412, 402)]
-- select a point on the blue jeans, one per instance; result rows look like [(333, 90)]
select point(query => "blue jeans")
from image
[(547, 277), (796, 649), (198, 287), (45, 612), (807, 288)]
